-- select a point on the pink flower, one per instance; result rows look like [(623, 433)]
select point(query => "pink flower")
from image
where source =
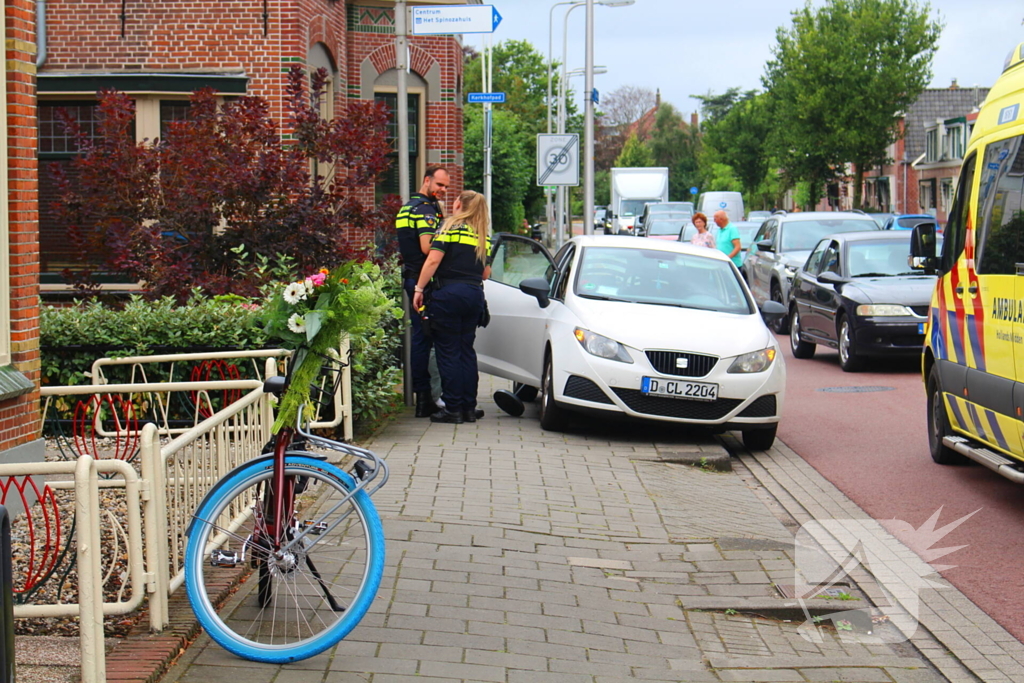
[(318, 279)]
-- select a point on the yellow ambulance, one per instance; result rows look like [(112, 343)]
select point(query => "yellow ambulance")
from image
[(973, 360)]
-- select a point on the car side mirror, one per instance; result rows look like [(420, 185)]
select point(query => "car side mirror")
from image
[(765, 245), (923, 248), (830, 278), (538, 288), (773, 310)]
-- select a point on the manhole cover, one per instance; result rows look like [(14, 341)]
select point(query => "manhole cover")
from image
[(854, 390)]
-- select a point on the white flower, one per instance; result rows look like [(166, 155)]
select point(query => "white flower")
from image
[(295, 292), (297, 323), (309, 286)]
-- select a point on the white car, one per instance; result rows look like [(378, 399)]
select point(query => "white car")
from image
[(629, 326)]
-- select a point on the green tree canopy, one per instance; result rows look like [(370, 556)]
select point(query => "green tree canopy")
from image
[(675, 145), (738, 138), (635, 153), (839, 77), (513, 169)]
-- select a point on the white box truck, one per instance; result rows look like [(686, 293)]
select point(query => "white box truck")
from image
[(631, 189)]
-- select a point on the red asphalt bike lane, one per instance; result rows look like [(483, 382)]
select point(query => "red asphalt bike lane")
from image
[(873, 446)]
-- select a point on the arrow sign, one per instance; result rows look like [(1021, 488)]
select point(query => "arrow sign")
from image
[(481, 97), (433, 21)]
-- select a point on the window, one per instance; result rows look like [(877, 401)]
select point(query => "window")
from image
[(54, 138), (565, 274), (389, 183), (814, 260), (1000, 221), (516, 259), (956, 227), (172, 110), (956, 142), (946, 193), (931, 145), (926, 194)]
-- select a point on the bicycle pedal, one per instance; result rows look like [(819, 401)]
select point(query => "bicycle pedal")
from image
[(314, 528), (360, 469), (223, 558)]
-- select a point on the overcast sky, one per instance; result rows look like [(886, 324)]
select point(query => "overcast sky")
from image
[(685, 48)]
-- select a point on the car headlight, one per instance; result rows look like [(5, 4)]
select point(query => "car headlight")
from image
[(601, 346), (883, 310), (756, 361)]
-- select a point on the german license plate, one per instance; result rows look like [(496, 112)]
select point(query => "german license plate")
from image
[(677, 388)]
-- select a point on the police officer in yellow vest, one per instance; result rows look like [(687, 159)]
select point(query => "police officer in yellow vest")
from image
[(415, 225), (455, 270)]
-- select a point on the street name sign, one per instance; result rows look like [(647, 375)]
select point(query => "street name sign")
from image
[(558, 159), (486, 97), (433, 21)]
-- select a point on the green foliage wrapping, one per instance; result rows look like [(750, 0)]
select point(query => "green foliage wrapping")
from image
[(350, 301)]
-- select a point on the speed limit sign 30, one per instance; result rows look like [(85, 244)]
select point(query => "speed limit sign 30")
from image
[(558, 159)]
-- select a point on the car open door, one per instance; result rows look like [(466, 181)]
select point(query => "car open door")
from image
[(511, 346)]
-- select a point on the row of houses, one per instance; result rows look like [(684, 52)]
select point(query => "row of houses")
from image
[(59, 53)]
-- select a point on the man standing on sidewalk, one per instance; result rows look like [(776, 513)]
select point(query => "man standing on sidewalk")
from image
[(415, 225)]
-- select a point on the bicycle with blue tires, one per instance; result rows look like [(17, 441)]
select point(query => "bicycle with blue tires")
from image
[(309, 532)]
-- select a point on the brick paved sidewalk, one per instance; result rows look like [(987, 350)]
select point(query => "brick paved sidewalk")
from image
[(516, 554)]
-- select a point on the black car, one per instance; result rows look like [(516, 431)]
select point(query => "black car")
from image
[(857, 294)]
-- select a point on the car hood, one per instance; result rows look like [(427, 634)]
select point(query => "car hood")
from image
[(795, 258), (910, 290), (646, 326)]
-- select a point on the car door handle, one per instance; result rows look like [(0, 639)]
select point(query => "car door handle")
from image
[(972, 290)]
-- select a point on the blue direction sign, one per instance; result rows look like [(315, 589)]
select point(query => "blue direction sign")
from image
[(432, 21), (481, 97)]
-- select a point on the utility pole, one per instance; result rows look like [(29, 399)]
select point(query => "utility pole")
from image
[(488, 71), (588, 131), (402, 123)]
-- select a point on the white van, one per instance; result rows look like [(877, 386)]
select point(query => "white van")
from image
[(730, 202)]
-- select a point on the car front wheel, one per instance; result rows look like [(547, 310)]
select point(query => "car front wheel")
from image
[(938, 424), (779, 325), (552, 416), (849, 361), (760, 439), (797, 344)]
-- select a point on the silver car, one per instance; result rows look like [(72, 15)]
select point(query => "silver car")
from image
[(782, 245)]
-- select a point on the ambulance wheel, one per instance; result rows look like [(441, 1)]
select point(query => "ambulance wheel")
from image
[(938, 424)]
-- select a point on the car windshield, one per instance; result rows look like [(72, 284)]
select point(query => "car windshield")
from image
[(662, 226), (758, 215), (803, 235), (631, 207), (665, 278), (883, 258), (747, 231), (671, 207), (912, 221)]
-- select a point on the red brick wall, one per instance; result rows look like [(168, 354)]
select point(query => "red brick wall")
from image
[(222, 35), (19, 417)]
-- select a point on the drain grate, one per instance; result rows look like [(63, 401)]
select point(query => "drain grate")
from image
[(854, 390)]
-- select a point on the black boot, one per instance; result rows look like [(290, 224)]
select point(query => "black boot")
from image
[(447, 417), (472, 415), (424, 404)]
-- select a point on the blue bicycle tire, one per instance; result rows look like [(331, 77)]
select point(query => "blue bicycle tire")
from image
[(197, 553)]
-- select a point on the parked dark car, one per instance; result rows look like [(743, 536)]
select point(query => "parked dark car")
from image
[(857, 294)]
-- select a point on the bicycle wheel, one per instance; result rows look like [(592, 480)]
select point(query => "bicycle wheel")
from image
[(310, 595)]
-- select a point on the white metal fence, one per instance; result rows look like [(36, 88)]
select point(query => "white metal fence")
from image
[(177, 466)]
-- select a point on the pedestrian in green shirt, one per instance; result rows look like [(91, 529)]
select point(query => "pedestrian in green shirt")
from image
[(728, 237)]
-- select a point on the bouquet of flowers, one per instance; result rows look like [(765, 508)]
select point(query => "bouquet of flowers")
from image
[(311, 315)]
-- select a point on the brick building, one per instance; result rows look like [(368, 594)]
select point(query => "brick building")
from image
[(159, 51), (19, 236), (926, 160)]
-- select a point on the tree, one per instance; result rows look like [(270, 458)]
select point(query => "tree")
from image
[(620, 109), (739, 138), (715, 107), (222, 192), (520, 72), (635, 153), (839, 77), (675, 145), (512, 167)]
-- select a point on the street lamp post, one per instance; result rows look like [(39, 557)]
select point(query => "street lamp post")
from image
[(560, 208)]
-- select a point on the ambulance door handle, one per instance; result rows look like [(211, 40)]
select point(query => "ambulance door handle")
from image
[(973, 290), (960, 290)]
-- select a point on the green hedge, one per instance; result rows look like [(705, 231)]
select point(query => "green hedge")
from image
[(73, 337)]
